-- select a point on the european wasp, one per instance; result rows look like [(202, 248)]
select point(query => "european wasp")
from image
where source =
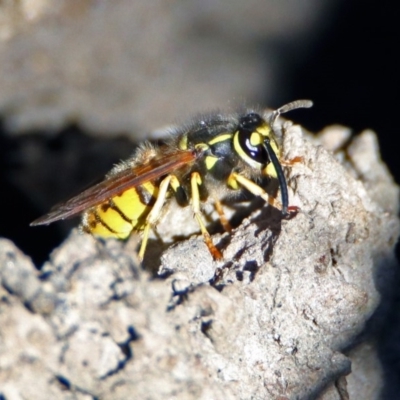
[(204, 160)]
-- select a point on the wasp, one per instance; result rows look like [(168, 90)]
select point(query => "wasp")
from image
[(205, 159)]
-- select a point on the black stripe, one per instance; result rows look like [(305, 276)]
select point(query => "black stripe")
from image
[(114, 207), (100, 221)]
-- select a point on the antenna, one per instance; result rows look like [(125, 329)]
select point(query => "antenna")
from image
[(293, 105)]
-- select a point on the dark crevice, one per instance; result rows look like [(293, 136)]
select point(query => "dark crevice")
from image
[(39, 170), (205, 327), (64, 382), (126, 349), (65, 385)]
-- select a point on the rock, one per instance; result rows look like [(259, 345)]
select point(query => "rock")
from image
[(273, 319)]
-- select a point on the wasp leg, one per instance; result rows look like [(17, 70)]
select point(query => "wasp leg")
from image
[(292, 161), (222, 217), (258, 191), (195, 181), (252, 187), (180, 194), (155, 212)]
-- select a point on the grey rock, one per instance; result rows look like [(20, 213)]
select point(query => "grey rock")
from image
[(290, 297)]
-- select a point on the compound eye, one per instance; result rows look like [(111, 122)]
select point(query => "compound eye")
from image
[(250, 122), (256, 152)]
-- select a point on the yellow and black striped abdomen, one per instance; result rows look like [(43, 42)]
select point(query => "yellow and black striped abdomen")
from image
[(121, 214)]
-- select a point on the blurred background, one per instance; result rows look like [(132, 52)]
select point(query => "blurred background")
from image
[(82, 81)]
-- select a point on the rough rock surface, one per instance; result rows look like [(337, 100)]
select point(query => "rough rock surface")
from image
[(274, 319)]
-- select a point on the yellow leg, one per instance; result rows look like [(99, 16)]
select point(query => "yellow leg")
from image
[(154, 214), (259, 191), (252, 187), (195, 181)]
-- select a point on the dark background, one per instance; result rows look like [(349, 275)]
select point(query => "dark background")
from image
[(352, 74)]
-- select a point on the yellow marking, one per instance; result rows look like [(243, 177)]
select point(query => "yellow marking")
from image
[(256, 139), (202, 146), (197, 177), (270, 170), (175, 184), (232, 182), (145, 240), (183, 143), (118, 226), (251, 186), (92, 225), (210, 162), (129, 204), (221, 138), (266, 131), (155, 211), (195, 181), (238, 148)]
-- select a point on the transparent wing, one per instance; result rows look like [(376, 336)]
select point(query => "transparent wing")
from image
[(118, 183)]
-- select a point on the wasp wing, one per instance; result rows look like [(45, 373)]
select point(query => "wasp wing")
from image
[(118, 183)]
